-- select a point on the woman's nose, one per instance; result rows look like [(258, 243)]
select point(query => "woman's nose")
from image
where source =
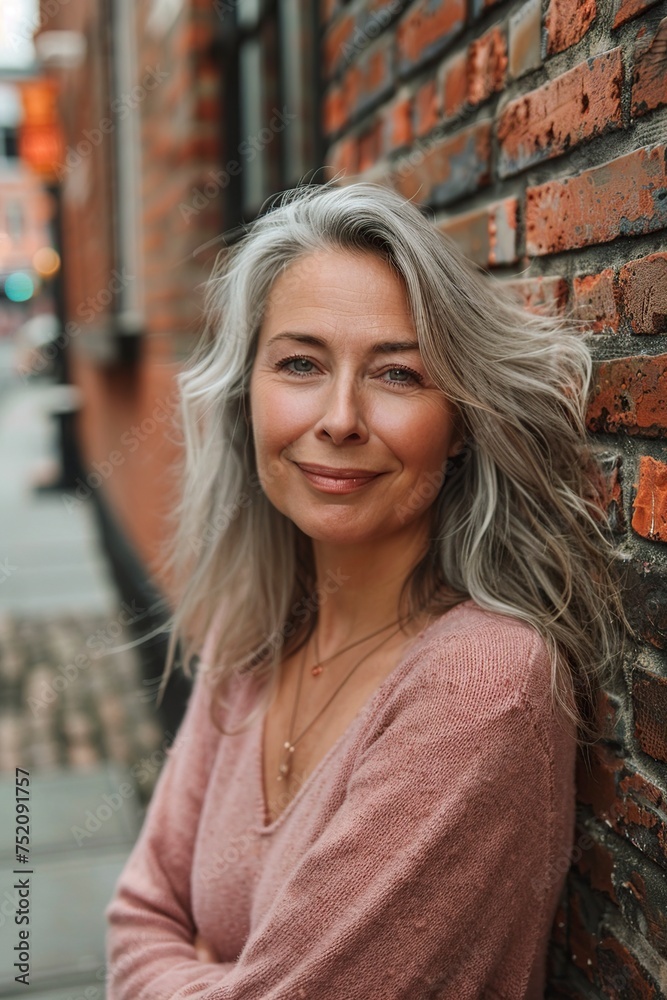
[(342, 411)]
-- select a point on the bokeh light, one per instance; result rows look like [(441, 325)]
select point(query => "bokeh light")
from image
[(19, 287), (46, 261)]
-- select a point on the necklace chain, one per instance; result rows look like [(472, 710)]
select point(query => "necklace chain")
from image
[(289, 745), (317, 669)]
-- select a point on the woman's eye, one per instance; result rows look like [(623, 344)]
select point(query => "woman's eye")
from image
[(405, 376), (298, 362)]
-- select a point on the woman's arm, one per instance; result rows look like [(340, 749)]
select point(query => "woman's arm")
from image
[(432, 877)]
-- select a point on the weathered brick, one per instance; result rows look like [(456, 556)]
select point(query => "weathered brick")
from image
[(649, 78), (643, 290), (450, 168), (628, 9), (368, 80), (621, 973), (630, 394), (525, 30), (649, 697), (487, 65), (626, 800), (454, 76), (647, 608), (488, 235), (566, 23), (540, 294), (584, 102), (625, 197), (426, 30), (426, 108), (650, 503), (611, 489), (594, 300)]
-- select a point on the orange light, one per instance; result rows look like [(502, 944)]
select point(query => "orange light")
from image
[(46, 261)]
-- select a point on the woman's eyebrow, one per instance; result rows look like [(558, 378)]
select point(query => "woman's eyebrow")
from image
[(383, 347)]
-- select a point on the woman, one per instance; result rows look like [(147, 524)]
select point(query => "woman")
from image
[(392, 561)]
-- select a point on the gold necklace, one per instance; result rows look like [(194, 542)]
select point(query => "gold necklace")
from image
[(288, 746), (318, 668)]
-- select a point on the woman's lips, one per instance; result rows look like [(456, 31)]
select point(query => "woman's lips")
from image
[(344, 482)]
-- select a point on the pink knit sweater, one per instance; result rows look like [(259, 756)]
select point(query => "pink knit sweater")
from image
[(422, 858)]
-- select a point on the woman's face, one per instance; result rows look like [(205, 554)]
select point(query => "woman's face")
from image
[(338, 383)]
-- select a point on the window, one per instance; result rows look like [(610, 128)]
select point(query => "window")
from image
[(271, 97)]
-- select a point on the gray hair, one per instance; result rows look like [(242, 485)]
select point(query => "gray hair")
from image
[(518, 524)]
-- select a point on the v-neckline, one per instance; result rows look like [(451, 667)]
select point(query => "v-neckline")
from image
[(259, 730)]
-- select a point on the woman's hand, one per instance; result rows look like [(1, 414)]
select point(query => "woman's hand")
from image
[(205, 952)]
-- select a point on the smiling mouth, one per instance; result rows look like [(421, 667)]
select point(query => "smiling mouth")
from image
[(337, 480)]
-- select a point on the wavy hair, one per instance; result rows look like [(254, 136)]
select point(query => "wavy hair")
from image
[(518, 524)]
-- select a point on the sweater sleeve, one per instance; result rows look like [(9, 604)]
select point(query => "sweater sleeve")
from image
[(149, 921), (434, 868)]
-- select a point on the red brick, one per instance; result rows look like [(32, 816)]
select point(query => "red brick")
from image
[(566, 23), (650, 503), (454, 76), (622, 975), (627, 196), (643, 290), (447, 169), (596, 864), (369, 79), (610, 490), (487, 65), (631, 395), (427, 28), (647, 610), (627, 9), (397, 124), (649, 697), (370, 147), (649, 78), (427, 108), (625, 800), (594, 299), (488, 235), (541, 294), (336, 37), (525, 39), (584, 102), (334, 113), (341, 159)]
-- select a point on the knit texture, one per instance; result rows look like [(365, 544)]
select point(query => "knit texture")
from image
[(422, 858)]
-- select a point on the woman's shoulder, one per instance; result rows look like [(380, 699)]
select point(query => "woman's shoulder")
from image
[(477, 659)]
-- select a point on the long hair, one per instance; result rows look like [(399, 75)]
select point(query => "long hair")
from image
[(518, 523)]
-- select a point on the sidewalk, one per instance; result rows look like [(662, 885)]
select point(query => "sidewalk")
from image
[(73, 714)]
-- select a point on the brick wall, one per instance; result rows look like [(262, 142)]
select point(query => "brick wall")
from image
[(538, 134)]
